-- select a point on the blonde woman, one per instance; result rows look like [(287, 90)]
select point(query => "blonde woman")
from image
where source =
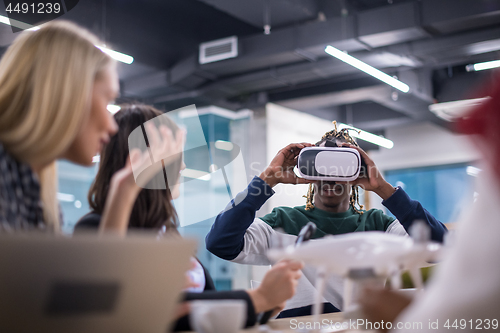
[(55, 85)]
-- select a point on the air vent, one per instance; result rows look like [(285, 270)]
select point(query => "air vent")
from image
[(219, 49)]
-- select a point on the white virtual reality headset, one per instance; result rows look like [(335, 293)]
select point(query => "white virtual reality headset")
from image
[(329, 163)]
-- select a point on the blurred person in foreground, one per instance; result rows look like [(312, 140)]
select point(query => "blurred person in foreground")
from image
[(154, 210), (464, 292)]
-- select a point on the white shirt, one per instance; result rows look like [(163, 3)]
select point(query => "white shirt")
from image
[(197, 275)]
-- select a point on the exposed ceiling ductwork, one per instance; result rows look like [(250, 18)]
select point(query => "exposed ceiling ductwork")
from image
[(408, 39), (425, 43)]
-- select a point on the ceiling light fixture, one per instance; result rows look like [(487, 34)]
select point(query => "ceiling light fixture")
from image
[(472, 171), (267, 17), (481, 66), (452, 111), (350, 60), (25, 26), (367, 136), (113, 108), (224, 145), (125, 58), (17, 24), (196, 174), (65, 197)]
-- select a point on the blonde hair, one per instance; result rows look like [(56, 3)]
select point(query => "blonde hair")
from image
[(46, 80)]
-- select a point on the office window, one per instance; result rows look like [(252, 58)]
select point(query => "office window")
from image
[(203, 198), (74, 184), (442, 190)]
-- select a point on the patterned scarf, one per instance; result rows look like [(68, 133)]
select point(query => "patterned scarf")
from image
[(20, 202)]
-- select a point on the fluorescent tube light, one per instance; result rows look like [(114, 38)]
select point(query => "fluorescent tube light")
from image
[(4, 20), (367, 136), (64, 197), (451, 111), (17, 24), (188, 114), (483, 65), (196, 174), (117, 55), (473, 171), (113, 108), (350, 60), (113, 54), (224, 145)]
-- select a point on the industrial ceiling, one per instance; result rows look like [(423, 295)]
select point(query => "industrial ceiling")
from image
[(425, 43)]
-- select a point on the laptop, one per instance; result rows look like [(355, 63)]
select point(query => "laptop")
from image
[(90, 284)]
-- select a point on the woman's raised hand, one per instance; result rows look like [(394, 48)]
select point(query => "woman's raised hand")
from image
[(162, 147)]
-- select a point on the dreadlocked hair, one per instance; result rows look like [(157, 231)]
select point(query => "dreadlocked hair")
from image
[(343, 136)]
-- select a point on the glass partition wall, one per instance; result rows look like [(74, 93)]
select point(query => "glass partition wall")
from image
[(214, 174)]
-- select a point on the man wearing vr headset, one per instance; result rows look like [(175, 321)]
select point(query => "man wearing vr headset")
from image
[(238, 236)]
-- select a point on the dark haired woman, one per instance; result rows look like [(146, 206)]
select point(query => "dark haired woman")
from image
[(153, 209), (238, 236)]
